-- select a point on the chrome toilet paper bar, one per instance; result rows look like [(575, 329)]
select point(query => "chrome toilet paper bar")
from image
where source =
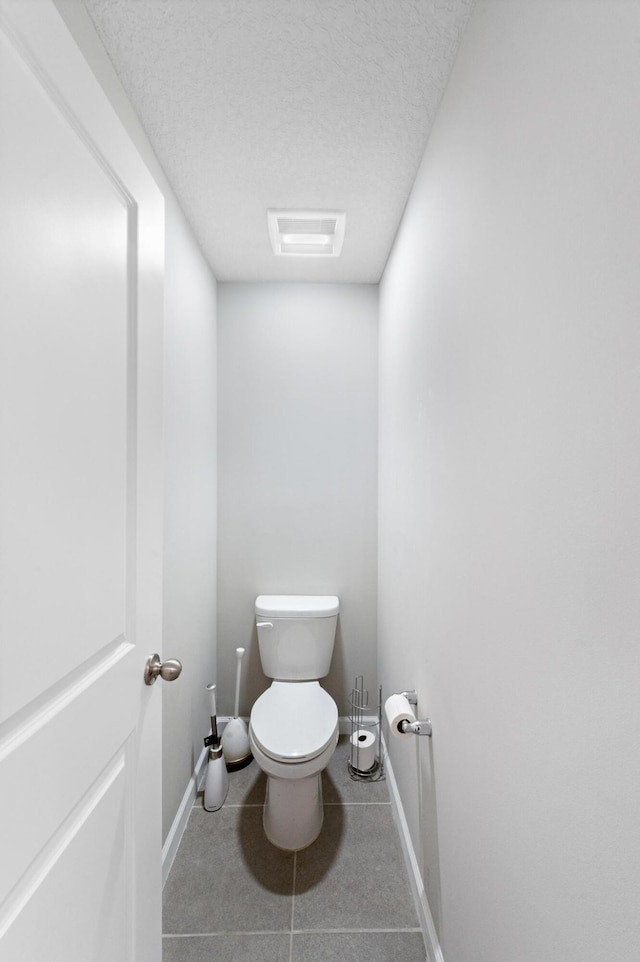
[(406, 725)]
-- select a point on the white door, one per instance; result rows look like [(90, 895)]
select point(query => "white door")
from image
[(81, 263)]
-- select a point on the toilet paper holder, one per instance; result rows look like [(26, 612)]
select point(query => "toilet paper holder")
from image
[(417, 727), (365, 761)]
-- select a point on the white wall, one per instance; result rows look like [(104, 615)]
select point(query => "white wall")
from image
[(297, 498), (190, 421), (189, 631), (509, 478)]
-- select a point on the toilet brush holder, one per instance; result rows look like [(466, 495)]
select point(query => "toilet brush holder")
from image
[(216, 784)]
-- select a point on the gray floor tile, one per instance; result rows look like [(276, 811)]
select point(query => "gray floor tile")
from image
[(227, 877), (227, 948), (359, 947), (353, 876), (338, 786), (247, 785)]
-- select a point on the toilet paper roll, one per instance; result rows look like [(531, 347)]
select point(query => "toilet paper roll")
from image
[(397, 709), (363, 750)]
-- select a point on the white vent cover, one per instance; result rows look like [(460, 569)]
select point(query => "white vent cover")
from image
[(307, 232)]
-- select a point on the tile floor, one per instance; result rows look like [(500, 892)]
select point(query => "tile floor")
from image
[(232, 896)]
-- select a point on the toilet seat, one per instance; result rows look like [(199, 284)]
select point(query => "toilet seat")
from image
[(293, 722)]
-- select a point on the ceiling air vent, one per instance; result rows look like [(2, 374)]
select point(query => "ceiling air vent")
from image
[(317, 233)]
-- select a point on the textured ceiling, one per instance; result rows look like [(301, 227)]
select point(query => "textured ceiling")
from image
[(252, 104)]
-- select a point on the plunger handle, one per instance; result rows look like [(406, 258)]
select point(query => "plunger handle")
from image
[(212, 700), (212, 705), (239, 656)]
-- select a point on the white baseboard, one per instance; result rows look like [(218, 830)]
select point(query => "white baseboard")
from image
[(429, 934)]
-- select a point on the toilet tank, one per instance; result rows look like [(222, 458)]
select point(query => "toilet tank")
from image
[(296, 634)]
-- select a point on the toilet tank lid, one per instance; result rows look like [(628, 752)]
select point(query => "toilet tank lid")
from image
[(297, 606)]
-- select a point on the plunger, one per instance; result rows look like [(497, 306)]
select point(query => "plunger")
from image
[(235, 737)]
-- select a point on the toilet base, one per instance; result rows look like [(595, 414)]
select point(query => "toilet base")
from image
[(293, 812)]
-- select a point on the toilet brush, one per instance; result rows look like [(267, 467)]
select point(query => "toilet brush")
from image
[(217, 783), (235, 737)]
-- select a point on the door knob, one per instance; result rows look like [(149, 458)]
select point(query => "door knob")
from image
[(169, 669)]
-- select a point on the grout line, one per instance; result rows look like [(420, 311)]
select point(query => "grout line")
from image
[(198, 806), (344, 804), (293, 904), (352, 931), (213, 935), (241, 805)]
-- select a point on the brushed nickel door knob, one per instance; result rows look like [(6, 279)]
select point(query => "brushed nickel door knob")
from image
[(169, 669)]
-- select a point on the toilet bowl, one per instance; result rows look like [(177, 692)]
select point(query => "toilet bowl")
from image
[(293, 729), (293, 734)]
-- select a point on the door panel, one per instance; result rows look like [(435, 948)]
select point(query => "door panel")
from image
[(81, 263), (58, 756), (63, 377), (91, 843)]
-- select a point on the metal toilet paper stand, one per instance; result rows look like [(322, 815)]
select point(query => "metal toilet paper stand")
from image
[(364, 727)]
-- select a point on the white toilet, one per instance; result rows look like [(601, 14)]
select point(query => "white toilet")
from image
[(293, 728)]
